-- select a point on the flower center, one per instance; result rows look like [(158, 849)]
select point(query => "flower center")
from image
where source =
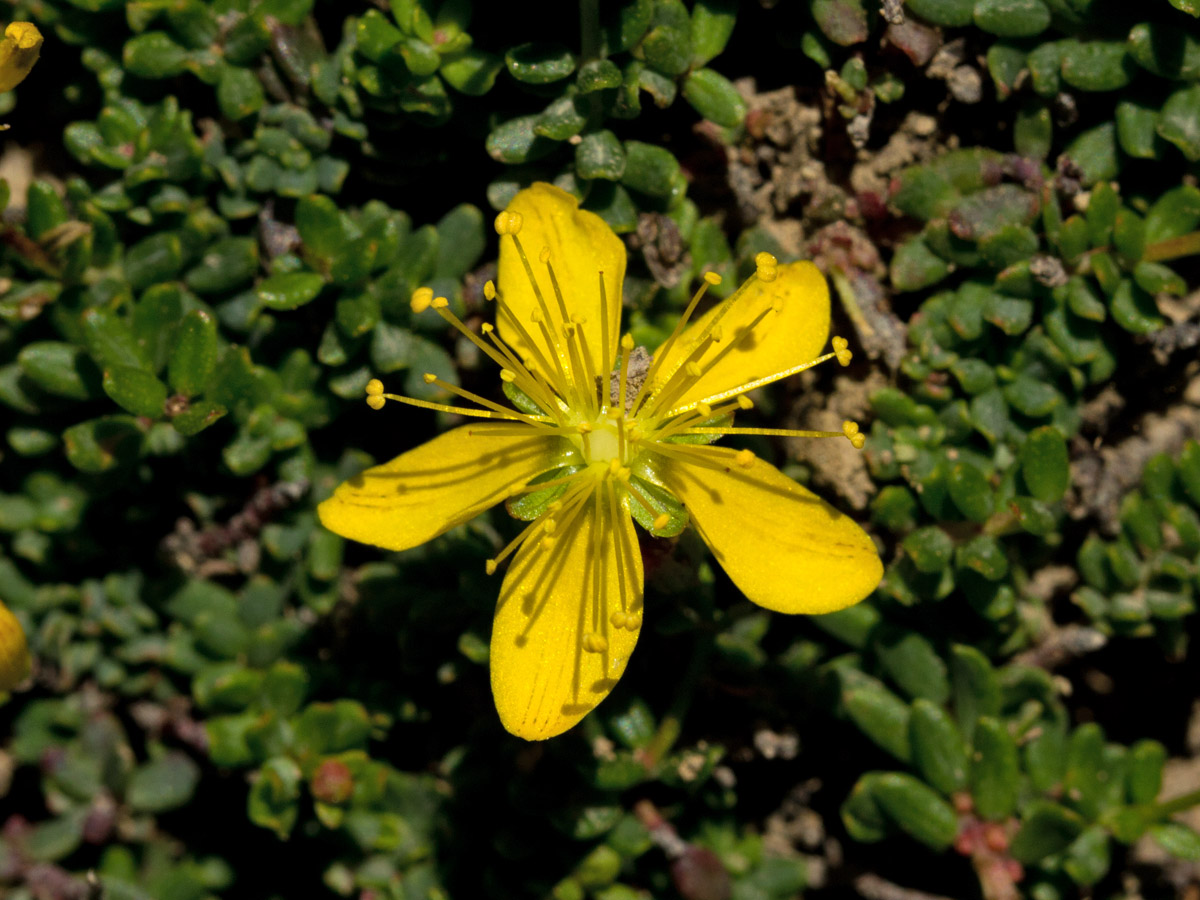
[(603, 443)]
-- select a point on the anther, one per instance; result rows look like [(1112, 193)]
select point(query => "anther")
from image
[(489, 290), (548, 543), (375, 401), (839, 348), (544, 255), (856, 437), (429, 378), (422, 297), (374, 386), (627, 342), (614, 466), (745, 402), (618, 619), (623, 473), (716, 333), (536, 316), (487, 328), (744, 458), (585, 428), (440, 302), (633, 622), (693, 369), (550, 526), (704, 409), (508, 222), (659, 524), (490, 566), (578, 319), (767, 267), (508, 376), (712, 278), (594, 643)]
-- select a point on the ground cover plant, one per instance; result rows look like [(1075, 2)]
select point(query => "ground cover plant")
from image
[(227, 224)]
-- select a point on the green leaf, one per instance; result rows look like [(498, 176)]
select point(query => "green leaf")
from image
[(274, 796), (1179, 121), (239, 93), (597, 75), (61, 369), (1046, 829), (1045, 465), (155, 55), (1012, 18), (1166, 50), (667, 46), (1135, 310), (995, 770), (930, 548), (164, 783), (953, 13), (226, 264), (197, 417), (290, 290), (515, 141), (136, 391), (153, 259), (911, 663), (1174, 214), (938, 749), (1179, 840), (472, 72), (971, 492), (650, 169), (976, 687), (110, 340), (1088, 858), (880, 715), (99, 445), (914, 266), (864, 820), (712, 26), (842, 21), (600, 155), (1145, 770), (1096, 65), (1095, 152), (540, 63), (916, 809), (194, 355), (714, 97)]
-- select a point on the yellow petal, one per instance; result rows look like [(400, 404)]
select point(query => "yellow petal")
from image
[(442, 483), (14, 652), (552, 605), (19, 50), (581, 247), (794, 335), (785, 547)]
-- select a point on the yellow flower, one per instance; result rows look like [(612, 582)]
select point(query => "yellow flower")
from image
[(599, 436), (14, 652), (19, 50)]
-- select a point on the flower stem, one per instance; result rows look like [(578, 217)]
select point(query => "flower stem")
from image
[(1177, 804)]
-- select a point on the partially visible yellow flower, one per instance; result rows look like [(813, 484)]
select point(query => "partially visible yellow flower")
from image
[(600, 436), (19, 50), (14, 652)]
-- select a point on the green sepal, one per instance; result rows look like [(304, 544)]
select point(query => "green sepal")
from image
[(521, 400), (661, 501), (528, 507)]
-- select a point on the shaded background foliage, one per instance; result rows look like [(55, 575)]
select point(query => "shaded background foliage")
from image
[(210, 250)]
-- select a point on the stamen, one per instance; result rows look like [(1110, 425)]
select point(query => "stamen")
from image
[(751, 385), (767, 432), (545, 310), (745, 458), (508, 222), (767, 267), (710, 278), (626, 347), (489, 290), (375, 398), (661, 522), (421, 298), (572, 497), (856, 437), (594, 643), (606, 349), (839, 349), (431, 378)]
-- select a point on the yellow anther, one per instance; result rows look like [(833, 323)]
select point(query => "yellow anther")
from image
[(716, 333), (548, 543), (633, 622), (744, 458), (440, 302), (487, 328), (594, 643), (614, 466), (659, 524), (490, 566), (578, 319), (489, 290), (633, 434), (704, 409), (375, 401), (839, 348), (429, 378), (623, 473), (618, 619), (568, 329), (550, 526), (585, 428), (627, 342), (745, 402), (693, 369), (544, 255), (856, 437), (508, 222), (422, 297), (554, 505), (712, 278), (508, 376), (536, 316), (374, 387), (767, 267)]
